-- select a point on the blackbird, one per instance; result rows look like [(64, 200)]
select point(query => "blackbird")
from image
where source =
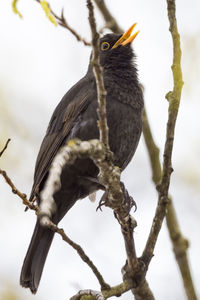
[(76, 117)]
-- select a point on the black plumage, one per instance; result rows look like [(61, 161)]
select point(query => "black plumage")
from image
[(76, 117)]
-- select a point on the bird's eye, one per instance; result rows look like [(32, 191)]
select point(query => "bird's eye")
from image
[(105, 46)]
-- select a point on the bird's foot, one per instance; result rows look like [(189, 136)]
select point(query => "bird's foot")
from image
[(128, 201)]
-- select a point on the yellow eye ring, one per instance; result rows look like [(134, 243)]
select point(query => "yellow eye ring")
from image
[(105, 46)]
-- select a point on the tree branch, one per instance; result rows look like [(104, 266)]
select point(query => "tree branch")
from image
[(174, 100), (110, 21), (18, 193), (180, 244)]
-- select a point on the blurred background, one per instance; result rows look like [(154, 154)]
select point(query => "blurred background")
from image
[(39, 63)]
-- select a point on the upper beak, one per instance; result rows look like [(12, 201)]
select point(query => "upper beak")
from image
[(126, 38)]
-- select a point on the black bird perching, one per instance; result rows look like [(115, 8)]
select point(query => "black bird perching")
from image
[(75, 117)]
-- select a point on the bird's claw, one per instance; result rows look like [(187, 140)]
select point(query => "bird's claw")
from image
[(102, 201), (129, 202)]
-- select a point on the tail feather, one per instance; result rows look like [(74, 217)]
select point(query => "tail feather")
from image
[(35, 258), (41, 241)]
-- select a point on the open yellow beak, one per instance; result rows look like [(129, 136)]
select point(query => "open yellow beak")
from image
[(126, 38)]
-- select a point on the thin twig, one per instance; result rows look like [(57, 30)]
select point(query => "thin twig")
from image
[(82, 254), (18, 193), (110, 21), (5, 147), (62, 22)]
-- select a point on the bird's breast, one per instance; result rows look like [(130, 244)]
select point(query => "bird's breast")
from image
[(124, 123), (125, 127)]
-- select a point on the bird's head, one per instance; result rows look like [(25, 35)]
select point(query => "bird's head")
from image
[(115, 48)]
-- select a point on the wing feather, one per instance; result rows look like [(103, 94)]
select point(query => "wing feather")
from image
[(58, 130)]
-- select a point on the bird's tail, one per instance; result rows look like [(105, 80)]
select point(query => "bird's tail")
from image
[(36, 256)]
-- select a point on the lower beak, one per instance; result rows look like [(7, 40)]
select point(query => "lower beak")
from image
[(126, 38)]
